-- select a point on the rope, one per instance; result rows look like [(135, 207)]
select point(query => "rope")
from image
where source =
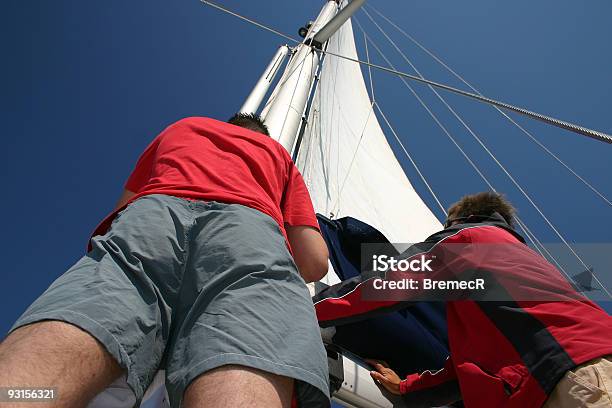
[(340, 188), (395, 134), (462, 79)]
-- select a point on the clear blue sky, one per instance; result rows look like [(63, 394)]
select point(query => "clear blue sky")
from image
[(86, 85)]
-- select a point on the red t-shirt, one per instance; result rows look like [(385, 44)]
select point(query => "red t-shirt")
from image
[(205, 159)]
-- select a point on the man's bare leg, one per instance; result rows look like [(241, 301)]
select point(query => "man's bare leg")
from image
[(238, 386), (56, 354)]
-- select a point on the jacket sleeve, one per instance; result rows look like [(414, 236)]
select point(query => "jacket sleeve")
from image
[(363, 296), (343, 303), (429, 388)]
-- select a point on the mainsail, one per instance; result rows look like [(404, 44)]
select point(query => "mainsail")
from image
[(351, 170), (347, 163)]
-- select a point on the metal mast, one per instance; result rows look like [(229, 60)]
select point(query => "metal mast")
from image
[(284, 110), (253, 101)]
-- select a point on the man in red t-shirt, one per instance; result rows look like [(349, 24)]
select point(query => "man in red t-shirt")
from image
[(199, 271)]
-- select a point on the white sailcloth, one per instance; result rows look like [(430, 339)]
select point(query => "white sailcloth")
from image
[(346, 161), (351, 170)]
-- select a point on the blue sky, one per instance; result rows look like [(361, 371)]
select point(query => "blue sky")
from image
[(86, 85)]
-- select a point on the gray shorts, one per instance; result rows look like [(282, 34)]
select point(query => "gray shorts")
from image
[(188, 286)]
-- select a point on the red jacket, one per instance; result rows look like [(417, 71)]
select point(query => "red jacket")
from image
[(511, 343)]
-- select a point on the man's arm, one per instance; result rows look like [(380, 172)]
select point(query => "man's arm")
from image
[(309, 251), (308, 246), (123, 200)]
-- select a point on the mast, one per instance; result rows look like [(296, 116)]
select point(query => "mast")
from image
[(335, 23), (284, 111), (253, 101)]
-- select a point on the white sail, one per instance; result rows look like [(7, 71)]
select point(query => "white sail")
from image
[(346, 161), (351, 170)]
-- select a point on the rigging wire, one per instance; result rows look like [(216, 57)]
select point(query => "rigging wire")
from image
[(543, 118), (462, 79), (408, 155), (476, 137), (441, 126), (410, 158), (531, 236), (365, 42), (374, 103), (479, 140), (534, 115), (471, 131), (249, 20), (500, 165)]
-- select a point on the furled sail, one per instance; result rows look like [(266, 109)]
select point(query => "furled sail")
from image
[(345, 158)]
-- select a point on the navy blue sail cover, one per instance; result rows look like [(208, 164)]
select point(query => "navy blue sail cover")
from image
[(411, 340)]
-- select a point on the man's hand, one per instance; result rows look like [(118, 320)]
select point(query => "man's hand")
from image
[(386, 377)]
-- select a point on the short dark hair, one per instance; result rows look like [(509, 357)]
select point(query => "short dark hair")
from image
[(485, 203), (250, 121)]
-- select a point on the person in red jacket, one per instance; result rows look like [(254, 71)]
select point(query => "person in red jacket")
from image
[(200, 271), (524, 337)]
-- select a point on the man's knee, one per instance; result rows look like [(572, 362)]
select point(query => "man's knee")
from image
[(235, 385)]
